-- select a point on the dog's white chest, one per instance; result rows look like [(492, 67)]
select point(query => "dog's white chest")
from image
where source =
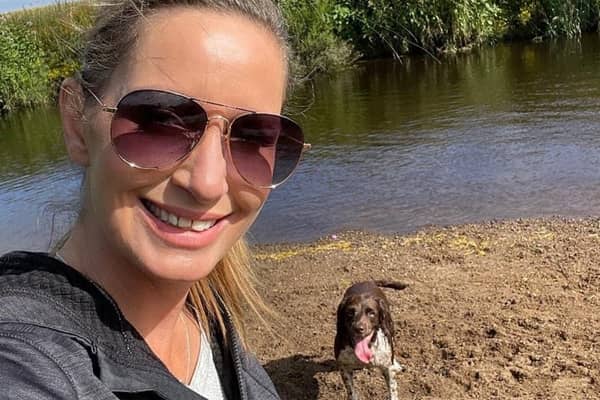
[(382, 354), (382, 350)]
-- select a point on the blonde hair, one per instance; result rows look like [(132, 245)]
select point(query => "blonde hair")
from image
[(115, 32), (231, 284), (229, 290)]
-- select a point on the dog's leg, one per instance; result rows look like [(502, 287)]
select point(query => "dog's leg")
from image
[(398, 367), (347, 378), (390, 377)]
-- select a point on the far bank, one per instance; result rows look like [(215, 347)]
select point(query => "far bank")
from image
[(41, 46)]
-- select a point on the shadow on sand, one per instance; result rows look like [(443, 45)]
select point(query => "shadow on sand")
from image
[(294, 377)]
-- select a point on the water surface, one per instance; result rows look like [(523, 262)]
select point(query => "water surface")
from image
[(505, 132)]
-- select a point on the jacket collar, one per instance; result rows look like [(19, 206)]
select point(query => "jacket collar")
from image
[(83, 310)]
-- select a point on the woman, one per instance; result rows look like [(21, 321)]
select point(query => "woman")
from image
[(175, 121)]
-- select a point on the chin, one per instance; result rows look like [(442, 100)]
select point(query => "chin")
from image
[(175, 264)]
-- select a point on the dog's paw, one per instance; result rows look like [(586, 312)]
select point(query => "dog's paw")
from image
[(397, 367)]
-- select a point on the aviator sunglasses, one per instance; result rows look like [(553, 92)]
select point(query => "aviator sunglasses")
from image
[(155, 129)]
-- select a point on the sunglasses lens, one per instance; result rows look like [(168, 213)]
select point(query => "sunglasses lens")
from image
[(265, 148), (154, 129)]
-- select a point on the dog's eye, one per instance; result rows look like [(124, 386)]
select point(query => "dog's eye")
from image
[(350, 312), (371, 313)]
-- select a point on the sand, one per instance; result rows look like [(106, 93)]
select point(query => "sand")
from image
[(494, 310)]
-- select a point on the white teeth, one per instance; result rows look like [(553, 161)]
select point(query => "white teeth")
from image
[(184, 222), (180, 222), (164, 215), (199, 226)]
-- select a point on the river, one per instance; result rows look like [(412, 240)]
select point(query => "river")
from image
[(503, 132)]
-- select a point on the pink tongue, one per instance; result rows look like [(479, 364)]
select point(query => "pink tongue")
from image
[(362, 350)]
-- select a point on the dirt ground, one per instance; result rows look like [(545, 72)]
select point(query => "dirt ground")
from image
[(494, 311)]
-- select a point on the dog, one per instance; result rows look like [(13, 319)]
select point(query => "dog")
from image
[(365, 334)]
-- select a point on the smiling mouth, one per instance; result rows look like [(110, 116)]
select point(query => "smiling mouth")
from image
[(177, 221)]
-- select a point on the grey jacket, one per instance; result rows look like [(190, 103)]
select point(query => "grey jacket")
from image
[(63, 337)]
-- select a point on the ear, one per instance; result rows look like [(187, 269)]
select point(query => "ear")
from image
[(385, 318), (340, 322), (70, 103)]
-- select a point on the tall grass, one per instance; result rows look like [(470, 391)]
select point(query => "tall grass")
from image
[(550, 18), (24, 72), (383, 27), (390, 28), (39, 47), (316, 46)]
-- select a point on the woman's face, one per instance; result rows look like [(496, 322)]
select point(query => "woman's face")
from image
[(222, 58)]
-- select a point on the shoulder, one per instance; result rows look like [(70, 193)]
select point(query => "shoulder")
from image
[(40, 355), (21, 271), (36, 289), (38, 363), (39, 290), (19, 259), (239, 367), (258, 383), (240, 373)]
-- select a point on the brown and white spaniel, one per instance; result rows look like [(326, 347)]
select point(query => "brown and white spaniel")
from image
[(365, 334)]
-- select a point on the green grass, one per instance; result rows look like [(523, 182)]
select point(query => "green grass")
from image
[(38, 48), (315, 44), (24, 73), (550, 18)]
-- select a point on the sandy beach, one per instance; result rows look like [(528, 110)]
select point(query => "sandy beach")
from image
[(494, 310)]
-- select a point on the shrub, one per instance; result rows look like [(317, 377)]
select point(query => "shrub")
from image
[(550, 18), (316, 46), (41, 46), (38, 48), (383, 28), (24, 79), (58, 29)]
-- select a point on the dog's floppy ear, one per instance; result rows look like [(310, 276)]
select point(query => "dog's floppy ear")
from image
[(341, 334), (385, 318), (341, 318)]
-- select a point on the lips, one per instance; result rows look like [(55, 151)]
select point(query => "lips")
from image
[(177, 221), (181, 228)]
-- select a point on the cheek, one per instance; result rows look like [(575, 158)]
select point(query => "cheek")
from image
[(109, 175), (247, 199), (246, 205), (375, 321), (371, 322), (113, 187)]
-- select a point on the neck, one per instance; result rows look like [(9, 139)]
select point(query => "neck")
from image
[(153, 306)]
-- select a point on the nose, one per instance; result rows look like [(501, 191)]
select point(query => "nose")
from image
[(360, 328), (204, 173)]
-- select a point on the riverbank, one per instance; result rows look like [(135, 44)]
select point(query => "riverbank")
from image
[(494, 310), (40, 46)]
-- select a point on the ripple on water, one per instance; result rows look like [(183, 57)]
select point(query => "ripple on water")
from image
[(508, 131), (36, 204)]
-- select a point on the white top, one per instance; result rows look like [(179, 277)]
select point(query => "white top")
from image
[(205, 380)]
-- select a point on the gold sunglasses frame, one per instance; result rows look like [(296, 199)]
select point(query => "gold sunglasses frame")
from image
[(226, 134)]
